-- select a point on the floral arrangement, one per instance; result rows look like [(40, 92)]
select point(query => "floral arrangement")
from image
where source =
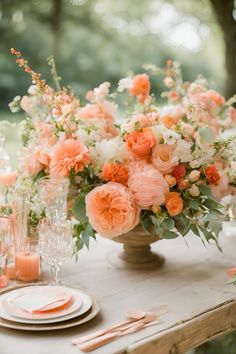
[(161, 165)]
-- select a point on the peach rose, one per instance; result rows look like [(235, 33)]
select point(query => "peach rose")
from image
[(140, 87), (68, 156), (43, 158), (163, 158), (140, 142), (174, 203), (115, 172), (148, 186), (111, 210), (31, 164), (216, 97)]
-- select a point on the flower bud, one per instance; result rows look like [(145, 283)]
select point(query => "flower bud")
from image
[(156, 209), (194, 191), (171, 180), (194, 175), (183, 184)]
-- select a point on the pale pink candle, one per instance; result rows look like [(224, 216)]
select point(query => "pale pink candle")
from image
[(28, 267)]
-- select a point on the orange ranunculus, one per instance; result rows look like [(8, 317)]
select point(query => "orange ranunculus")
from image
[(140, 142), (174, 203), (111, 210), (212, 175), (69, 155), (140, 87), (231, 272), (115, 172)]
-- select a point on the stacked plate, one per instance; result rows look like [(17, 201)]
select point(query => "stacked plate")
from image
[(46, 307)]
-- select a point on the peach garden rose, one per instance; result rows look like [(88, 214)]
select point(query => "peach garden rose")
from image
[(111, 210), (148, 186)]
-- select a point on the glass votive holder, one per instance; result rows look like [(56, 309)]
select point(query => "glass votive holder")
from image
[(27, 261), (10, 269)]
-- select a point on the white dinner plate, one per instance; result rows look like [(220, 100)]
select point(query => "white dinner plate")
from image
[(86, 305)]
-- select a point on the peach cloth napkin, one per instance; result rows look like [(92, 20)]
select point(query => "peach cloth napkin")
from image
[(41, 302)]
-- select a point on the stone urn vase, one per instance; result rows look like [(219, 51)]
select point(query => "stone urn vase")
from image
[(136, 253)]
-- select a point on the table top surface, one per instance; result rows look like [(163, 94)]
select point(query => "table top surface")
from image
[(192, 282)]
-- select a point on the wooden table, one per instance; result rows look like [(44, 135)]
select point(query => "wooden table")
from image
[(192, 284)]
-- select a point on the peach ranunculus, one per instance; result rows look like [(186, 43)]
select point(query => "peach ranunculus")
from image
[(69, 155), (174, 203), (148, 186), (111, 210), (140, 87), (115, 172), (140, 142), (163, 158)]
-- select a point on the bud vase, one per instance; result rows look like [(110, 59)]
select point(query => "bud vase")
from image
[(137, 253)]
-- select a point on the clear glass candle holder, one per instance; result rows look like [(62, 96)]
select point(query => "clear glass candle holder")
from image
[(27, 261)]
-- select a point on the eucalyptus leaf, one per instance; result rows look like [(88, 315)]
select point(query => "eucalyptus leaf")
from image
[(169, 234), (79, 210)]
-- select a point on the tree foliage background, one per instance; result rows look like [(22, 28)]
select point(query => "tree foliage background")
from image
[(102, 40), (97, 40)]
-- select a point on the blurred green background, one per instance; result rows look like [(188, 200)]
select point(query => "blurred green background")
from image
[(102, 40)]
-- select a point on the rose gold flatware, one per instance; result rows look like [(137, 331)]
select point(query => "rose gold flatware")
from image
[(133, 315), (109, 337)]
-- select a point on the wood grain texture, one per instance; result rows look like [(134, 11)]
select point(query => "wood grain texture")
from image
[(192, 284)]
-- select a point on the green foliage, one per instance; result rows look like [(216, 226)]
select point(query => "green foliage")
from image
[(95, 46)]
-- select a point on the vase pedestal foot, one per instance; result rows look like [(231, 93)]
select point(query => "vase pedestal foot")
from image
[(136, 258)]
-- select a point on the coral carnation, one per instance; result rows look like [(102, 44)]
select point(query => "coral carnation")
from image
[(69, 155), (115, 172)]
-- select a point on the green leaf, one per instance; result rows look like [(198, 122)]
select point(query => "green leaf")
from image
[(154, 220), (85, 236), (206, 134), (194, 204), (195, 230), (205, 190), (147, 222), (182, 224), (168, 223), (79, 210), (169, 234), (212, 204)]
